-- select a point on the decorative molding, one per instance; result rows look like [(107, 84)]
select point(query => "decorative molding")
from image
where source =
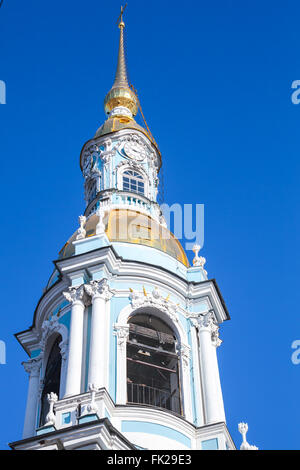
[(184, 352), (215, 335), (64, 347), (154, 299), (120, 111), (75, 294), (98, 289), (50, 417), (122, 333), (243, 429), (198, 260), (33, 366), (81, 233), (207, 321), (92, 406)]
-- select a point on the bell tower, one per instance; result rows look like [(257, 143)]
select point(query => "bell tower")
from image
[(122, 351)]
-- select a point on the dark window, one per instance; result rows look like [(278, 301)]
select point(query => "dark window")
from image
[(51, 378), (152, 364), (133, 181), (91, 191)]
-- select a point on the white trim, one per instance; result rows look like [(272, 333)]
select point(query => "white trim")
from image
[(129, 166), (52, 330)]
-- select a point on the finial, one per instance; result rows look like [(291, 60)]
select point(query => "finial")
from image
[(51, 418), (81, 233), (121, 23), (198, 260), (92, 406), (243, 429)]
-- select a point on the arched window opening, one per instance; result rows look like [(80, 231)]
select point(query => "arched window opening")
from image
[(134, 182), (51, 378), (91, 190), (152, 364)]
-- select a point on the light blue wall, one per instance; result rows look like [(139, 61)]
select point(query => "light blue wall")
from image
[(153, 428), (60, 307), (66, 319), (88, 340), (210, 444), (116, 305), (147, 254)]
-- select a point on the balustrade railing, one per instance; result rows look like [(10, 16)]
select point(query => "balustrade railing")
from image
[(145, 395)]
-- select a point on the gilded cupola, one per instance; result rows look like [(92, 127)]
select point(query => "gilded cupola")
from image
[(121, 95)]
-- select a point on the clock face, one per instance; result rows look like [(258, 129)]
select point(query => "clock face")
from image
[(134, 151)]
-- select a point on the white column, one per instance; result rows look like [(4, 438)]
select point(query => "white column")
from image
[(196, 372), (209, 369), (122, 333), (73, 380), (216, 342), (33, 367), (98, 357)]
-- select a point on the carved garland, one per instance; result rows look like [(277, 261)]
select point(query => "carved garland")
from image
[(154, 299)]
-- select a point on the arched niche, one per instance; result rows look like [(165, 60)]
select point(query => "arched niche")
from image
[(153, 363), (52, 374)]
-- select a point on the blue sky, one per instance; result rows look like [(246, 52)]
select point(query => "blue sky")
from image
[(214, 79)]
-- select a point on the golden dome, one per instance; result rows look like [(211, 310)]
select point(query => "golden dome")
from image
[(127, 226), (121, 96)]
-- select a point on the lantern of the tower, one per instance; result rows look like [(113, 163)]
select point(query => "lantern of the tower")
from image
[(123, 345)]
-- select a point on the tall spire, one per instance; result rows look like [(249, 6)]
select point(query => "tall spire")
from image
[(121, 73), (121, 98)]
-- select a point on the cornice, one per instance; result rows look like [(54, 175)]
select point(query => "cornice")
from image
[(117, 266)]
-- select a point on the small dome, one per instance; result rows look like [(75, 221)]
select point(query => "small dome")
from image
[(121, 96), (128, 226)]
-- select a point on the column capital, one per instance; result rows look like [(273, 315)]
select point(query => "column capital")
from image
[(75, 295), (207, 322), (98, 289), (33, 366), (122, 333)]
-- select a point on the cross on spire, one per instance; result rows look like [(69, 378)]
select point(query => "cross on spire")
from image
[(120, 21)]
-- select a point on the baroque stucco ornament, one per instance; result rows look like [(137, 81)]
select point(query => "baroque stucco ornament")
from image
[(207, 321), (75, 294), (50, 417), (98, 289), (185, 353), (50, 327), (243, 429), (33, 366), (81, 233), (122, 333), (92, 407), (154, 299), (198, 261)]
